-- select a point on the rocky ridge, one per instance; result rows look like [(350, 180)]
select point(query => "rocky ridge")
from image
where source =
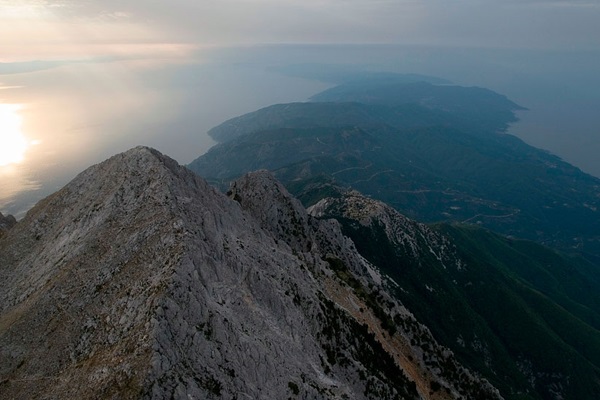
[(481, 294), (406, 235), (139, 280)]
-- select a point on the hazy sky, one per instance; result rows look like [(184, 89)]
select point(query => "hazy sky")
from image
[(49, 29)]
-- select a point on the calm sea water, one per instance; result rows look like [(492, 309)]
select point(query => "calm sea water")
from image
[(77, 114)]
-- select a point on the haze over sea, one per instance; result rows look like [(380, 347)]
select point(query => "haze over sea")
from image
[(72, 114)]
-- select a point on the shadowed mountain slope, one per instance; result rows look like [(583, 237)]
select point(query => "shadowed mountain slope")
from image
[(422, 158), (476, 109), (521, 314)]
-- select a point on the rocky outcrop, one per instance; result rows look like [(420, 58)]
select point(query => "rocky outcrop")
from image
[(6, 222), (482, 295), (139, 280), (405, 235)]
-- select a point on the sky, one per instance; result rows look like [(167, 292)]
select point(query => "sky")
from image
[(51, 29), (81, 80)]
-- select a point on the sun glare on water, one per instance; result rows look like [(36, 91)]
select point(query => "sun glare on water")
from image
[(12, 141)]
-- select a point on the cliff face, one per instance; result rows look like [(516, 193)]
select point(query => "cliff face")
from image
[(498, 303), (139, 280)]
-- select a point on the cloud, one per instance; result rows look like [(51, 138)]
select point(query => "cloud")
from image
[(54, 31)]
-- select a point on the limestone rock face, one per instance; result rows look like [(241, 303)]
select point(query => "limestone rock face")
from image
[(407, 236), (139, 280)]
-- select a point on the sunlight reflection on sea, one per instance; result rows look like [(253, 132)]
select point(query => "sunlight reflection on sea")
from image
[(82, 113)]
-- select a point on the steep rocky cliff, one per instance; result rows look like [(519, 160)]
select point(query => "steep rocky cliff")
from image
[(139, 280), (522, 315)]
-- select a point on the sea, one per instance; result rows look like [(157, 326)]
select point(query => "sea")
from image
[(75, 113)]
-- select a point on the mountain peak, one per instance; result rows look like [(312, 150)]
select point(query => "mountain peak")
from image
[(263, 197), (139, 280)]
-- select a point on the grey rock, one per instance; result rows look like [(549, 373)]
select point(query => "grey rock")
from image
[(139, 280)]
